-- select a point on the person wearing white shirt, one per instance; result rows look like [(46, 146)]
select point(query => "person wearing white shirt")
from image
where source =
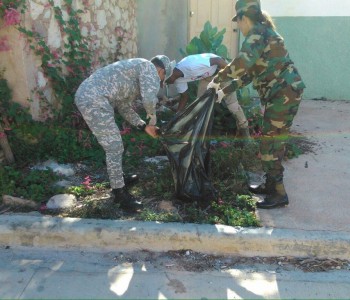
[(203, 67)]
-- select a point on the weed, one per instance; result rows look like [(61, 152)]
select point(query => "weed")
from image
[(150, 215), (226, 213), (86, 189)]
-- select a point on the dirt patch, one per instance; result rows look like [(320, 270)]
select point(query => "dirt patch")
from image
[(299, 144), (304, 144)]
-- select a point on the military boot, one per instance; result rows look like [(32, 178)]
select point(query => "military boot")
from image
[(130, 179), (277, 199), (268, 187), (126, 201)]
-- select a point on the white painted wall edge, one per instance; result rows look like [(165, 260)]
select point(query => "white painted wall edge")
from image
[(307, 8)]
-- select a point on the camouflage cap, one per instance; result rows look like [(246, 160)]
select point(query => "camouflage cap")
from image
[(244, 6), (168, 65)]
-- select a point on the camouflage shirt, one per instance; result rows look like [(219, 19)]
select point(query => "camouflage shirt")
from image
[(122, 83), (264, 60)]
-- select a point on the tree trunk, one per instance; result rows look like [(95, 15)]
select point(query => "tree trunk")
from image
[(6, 146)]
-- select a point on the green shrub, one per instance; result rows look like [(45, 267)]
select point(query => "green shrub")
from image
[(209, 41), (36, 185)]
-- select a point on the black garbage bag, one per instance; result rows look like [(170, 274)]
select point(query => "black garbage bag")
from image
[(186, 141)]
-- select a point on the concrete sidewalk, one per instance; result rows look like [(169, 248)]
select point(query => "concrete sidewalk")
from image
[(318, 183), (315, 224)]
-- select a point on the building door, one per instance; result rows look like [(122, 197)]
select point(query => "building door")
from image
[(219, 13)]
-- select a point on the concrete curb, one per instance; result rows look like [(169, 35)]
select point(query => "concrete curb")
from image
[(115, 235)]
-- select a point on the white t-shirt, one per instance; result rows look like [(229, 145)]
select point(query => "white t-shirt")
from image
[(194, 67)]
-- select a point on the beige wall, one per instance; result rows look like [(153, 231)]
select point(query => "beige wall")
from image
[(99, 21), (14, 63), (162, 27)]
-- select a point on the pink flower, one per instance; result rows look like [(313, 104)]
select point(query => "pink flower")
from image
[(87, 182), (12, 17), (133, 140)]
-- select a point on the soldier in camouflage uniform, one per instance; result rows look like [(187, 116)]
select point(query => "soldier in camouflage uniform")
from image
[(117, 86), (264, 60)]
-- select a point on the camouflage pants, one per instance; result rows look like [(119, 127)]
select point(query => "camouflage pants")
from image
[(277, 121), (99, 116), (231, 103)]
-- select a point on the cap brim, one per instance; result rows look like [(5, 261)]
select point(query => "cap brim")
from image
[(234, 19), (172, 66)]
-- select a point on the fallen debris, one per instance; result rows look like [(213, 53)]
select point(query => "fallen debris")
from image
[(188, 260)]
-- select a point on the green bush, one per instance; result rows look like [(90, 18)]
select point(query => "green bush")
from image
[(36, 185), (209, 41), (36, 141)]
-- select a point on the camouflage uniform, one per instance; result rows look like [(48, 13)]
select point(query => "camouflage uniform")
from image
[(264, 60), (117, 86)]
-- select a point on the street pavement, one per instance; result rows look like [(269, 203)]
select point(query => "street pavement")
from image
[(50, 274), (41, 257)]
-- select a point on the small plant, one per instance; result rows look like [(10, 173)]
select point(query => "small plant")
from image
[(226, 213), (233, 213), (209, 41), (86, 188), (149, 215)]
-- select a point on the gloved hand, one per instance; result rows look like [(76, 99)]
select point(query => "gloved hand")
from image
[(220, 95), (153, 131), (213, 85)]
